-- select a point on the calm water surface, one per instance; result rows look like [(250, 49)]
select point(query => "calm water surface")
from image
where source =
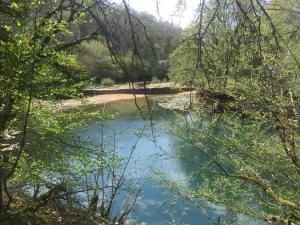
[(153, 153)]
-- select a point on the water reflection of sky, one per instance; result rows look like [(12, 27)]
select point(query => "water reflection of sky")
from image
[(154, 152)]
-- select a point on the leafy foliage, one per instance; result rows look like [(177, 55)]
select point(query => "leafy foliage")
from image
[(96, 59), (107, 82), (39, 152), (240, 57)]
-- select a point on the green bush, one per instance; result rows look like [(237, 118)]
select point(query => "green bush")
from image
[(97, 62), (107, 82), (155, 80)]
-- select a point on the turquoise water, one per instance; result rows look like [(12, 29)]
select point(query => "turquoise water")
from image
[(154, 153)]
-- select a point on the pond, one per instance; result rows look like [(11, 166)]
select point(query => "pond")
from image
[(154, 154)]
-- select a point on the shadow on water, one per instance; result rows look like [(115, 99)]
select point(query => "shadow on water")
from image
[(156, 204)]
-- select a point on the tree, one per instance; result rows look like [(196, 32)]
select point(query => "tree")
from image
[(97, 61), (243, 60), (37, 66)]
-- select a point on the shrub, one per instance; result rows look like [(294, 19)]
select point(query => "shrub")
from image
[(155, 80), (96, 59), (107, 82)]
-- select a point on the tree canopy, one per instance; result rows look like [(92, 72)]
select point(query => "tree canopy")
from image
[(240, 56), (243, 57)]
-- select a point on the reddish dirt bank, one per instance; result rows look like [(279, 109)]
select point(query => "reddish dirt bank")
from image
[(98, 99)]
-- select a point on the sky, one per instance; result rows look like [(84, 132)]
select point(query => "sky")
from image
[(167, 10)]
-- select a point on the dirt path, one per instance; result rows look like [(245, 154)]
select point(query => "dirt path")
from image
[(98, 99), (107, 95)]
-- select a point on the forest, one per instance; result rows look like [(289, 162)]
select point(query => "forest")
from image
[(111, 115)]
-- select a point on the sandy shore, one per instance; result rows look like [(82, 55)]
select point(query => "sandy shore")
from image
[(96, 100)]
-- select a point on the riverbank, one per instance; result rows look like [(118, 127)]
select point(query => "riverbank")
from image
[(99, 95), (25, 210), (137, 88), (97, 100)]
